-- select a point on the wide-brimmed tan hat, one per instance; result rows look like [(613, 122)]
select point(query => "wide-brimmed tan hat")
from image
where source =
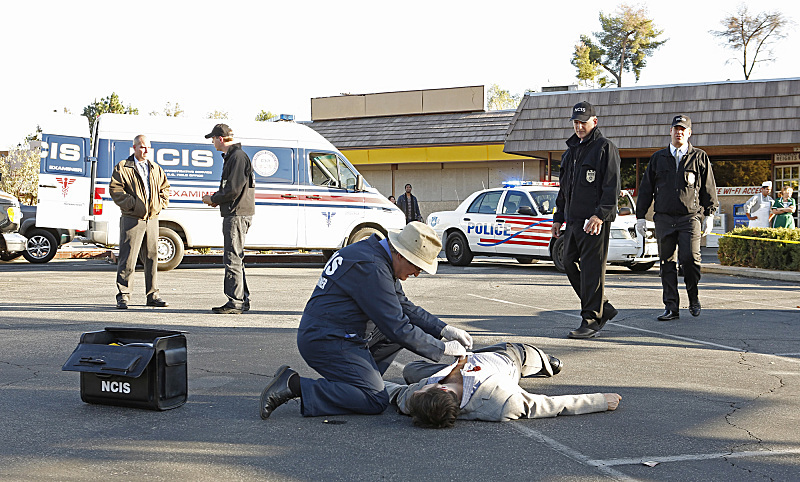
[(418, 243)]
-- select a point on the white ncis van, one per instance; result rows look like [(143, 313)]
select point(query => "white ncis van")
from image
[(308, 196)]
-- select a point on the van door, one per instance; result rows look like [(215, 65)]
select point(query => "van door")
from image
[(331, 206), (64, 183), (278, 197)]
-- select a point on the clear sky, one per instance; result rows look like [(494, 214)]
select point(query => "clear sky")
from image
[(244, 56)]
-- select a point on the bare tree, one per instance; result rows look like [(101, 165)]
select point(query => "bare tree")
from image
[(752, 35)]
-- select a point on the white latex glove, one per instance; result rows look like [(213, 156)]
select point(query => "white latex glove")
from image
[(708, 225), (641, 227), (461, 336), (454, 348)]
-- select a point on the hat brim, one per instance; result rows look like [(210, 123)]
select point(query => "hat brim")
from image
[(394, 238), (581, 118), (682, 124), (209, 136)]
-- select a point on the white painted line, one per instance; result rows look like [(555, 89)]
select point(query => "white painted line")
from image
[(683, 338), (665, 335), (690, 457), (736, 300), (524, 306), (569, 452)]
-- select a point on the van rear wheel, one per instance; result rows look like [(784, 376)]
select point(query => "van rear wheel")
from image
[(170, 249), (364, 233)]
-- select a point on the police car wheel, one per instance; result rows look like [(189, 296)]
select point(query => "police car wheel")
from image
[(170, 249), (557, 253), (41, 246), (457, 250), (641, 266)]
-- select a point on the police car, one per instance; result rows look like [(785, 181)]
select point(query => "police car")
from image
[(515, 221)]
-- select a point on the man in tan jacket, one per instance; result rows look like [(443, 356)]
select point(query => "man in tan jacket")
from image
[(140, 188)]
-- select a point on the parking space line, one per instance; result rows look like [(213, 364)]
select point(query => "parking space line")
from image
[(569, 452), (691, 457), (771, 305), (665, 335)]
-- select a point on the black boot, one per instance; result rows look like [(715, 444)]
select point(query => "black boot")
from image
[(278, 391)]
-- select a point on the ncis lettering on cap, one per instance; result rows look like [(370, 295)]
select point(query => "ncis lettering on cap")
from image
[(582, 111), (682, 120)]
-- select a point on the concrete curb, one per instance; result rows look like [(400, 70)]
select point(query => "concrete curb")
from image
[(757, 273)]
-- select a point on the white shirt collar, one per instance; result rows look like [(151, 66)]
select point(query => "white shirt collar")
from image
[(682, 151)]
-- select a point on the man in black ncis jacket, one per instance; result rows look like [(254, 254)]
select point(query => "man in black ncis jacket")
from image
[(681, 181), (587, 202)]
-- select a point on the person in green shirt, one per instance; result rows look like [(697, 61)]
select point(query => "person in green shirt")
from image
[(784, 208)]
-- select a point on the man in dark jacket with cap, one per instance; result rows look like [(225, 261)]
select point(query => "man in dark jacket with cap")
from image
[(681, 181), (360, 288), (587, 202), (236, 201)]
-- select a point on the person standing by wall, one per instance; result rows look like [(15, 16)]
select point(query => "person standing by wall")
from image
[(681, 182), (236, 201), (141, 190), (784, 208), (407, 203), (757, 208), (587, 202)]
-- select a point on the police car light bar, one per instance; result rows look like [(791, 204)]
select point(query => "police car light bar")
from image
[(530, 183)]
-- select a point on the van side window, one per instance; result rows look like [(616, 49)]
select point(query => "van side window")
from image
[(486, 203), (330, 171)]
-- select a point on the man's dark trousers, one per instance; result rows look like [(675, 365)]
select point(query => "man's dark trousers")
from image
[(683, 233), (584, 260), (234, 229)]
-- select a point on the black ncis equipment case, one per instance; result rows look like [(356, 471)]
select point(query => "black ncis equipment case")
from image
[(132, 367)]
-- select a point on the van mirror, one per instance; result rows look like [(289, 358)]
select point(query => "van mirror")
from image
[(359, 183)]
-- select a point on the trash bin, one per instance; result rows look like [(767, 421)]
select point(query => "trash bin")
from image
[(739, 216), (132, 367)]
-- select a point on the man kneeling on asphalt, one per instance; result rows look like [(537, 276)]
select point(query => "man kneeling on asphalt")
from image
[(485, 386), (360, 289)]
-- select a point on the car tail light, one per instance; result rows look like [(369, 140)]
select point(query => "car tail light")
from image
[(97, 206)]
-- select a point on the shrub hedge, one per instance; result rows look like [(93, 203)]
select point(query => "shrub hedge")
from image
[(755, 253)]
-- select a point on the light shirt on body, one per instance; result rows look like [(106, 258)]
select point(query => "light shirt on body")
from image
[(477, 369)]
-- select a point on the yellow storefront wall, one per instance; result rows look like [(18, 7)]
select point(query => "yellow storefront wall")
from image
[(437, 154)]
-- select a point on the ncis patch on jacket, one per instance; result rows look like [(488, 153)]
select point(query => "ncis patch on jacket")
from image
[(334, 269)]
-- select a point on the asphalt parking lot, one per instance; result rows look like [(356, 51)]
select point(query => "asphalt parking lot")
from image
[(710, 398)]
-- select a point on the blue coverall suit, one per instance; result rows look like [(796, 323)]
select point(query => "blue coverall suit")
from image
[(357, 288)]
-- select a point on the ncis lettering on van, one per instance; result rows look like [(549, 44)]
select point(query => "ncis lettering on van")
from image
[(308, 195)]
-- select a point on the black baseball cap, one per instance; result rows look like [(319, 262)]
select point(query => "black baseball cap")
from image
[(682, 120), (583, 111), (220, 130)]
